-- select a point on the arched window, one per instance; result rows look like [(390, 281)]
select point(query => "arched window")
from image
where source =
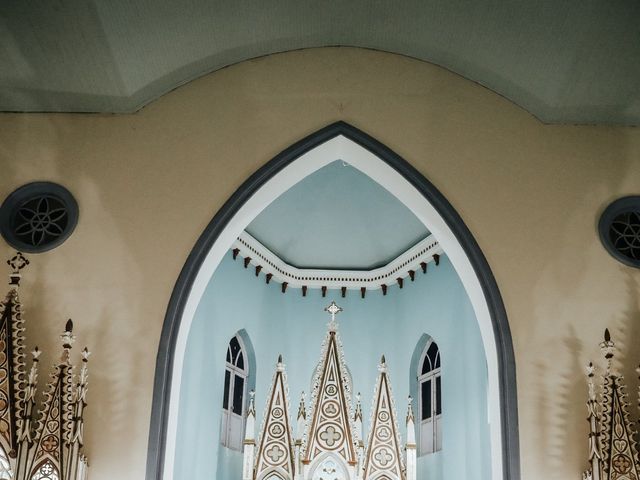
[(430, 400), (233, 402)]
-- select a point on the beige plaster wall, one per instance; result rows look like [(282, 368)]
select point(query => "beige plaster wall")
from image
[(148, 184)]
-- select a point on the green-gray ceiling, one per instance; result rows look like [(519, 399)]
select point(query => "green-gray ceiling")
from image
[(573, 61), (337, 217)]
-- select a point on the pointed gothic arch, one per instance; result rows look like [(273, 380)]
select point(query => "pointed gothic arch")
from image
[(46, 470), (322, 460), (339, 140), (239, 370), (429, 383)]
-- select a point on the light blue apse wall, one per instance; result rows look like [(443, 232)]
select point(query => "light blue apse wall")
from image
[(435, 304)]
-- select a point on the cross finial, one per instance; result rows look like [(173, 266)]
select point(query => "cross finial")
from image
[(17, 263), (333, 309)]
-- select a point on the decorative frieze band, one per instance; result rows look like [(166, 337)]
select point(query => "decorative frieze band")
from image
[(405, 265)]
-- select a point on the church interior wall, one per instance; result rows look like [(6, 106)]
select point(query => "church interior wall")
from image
[(295, 326), (148, 184)]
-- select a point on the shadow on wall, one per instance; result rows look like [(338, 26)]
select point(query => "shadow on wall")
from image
[(89, 278)]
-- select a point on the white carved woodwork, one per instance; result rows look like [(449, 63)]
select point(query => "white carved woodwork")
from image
[(45, 442), (329, 442), (613, 451)]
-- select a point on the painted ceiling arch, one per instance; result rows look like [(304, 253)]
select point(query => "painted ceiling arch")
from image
[(565, 62)]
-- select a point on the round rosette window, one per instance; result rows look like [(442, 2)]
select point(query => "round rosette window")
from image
[(38, 216), (619, 229)]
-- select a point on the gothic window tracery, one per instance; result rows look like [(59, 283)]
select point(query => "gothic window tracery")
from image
[(46, 472), (329, 469), (430, 400), (233, 402)]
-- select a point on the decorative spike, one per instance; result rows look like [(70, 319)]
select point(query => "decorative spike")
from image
[(363, 291), (280, 364), (384, 289), (235, 252), (67, 340), (284, 286), (423, 265), (412, 275), (302, 410), (344, 291), (268, 277), (247, 260), (258, 268), (304, 290), (400, 282), (357, 415), (436, 258), (590, 373), (252, 403), (607, 347), (410, 417), (324, 292)]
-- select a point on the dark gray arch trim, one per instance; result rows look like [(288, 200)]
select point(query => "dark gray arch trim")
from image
[(182, 289)]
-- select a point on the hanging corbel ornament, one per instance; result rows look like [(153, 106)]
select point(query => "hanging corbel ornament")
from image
[(613, 452), (267, 263), (43, 441)]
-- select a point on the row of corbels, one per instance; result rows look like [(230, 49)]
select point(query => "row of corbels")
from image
[(343, 290)]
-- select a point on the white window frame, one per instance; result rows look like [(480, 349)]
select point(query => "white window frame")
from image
[(233, 424), (430, 429)]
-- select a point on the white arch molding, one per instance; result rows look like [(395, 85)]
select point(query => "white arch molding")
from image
[(332, 143)]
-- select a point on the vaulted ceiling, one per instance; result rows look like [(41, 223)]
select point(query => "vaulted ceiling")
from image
[(570, 61), (337, 217)]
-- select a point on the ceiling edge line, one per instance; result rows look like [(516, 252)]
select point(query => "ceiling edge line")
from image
[(404, 265)]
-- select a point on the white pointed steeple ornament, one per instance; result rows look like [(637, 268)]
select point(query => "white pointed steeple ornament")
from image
[(330, 428), (248, 456), (384, 457), (613, 451), (275, 447), (410, 446), (329, 439), (44, 442)]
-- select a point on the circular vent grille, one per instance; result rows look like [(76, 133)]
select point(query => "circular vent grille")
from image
[(620, 230), (38, 216)]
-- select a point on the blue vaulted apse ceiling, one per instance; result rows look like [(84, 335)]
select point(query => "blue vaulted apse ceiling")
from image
[(337, 217)]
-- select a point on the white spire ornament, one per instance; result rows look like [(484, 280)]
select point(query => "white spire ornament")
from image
[(44, 442), (329, 439), (613, 452)]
